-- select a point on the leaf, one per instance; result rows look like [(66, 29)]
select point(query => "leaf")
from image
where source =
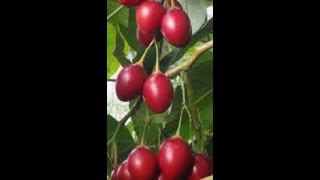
[(197, 12), (124, 140), (119, 51), (112, 63), (121, 17)]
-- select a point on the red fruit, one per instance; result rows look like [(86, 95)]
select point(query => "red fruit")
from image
[(158, 92), (202, 167), (142, 164), (175, 158), (130, 81), (149, 15), (114, 173), (123, 172), (176, 27), (144, 38), (130, 3), (167, 4)]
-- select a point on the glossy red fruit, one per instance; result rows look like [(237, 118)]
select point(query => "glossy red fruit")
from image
[(123, 172), (142, 164), (130, 81), (175, 158), (202, 167), (167, 4), (144, 38), (114, 173), (158, 92), (149, 15), (176, 27), (130, 3)]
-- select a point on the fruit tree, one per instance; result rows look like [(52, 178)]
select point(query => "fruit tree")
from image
[(160, 59)]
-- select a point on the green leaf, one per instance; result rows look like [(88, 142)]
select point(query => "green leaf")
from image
[(112, 63), (124, 140), (119, 51), (121, 17), (197, 12), (139, 118)]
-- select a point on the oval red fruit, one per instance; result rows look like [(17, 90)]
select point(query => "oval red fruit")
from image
[(129, 82), (176, 27), (114, 173), (158, 92), (175, 158), (123, 172), (142, 164), (130, 3), (202, 167), (149, 15)]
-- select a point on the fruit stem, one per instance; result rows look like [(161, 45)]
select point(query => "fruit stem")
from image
[(125, 118), (114, 12), (189, 62), (172, 4), (145, 53), (115, 152), (142, 142), (157, 59), (180, 119)]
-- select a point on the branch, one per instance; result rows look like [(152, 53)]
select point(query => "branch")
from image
[(125, 118), (189, 62)]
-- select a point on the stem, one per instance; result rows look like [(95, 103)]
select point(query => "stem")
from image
[(115, 153), (114, 12), (142, 142), (157, 58), (145, 52), (124, 119), (180, 119), (196, 123), (109, 158), (189, 62), (172, 4)]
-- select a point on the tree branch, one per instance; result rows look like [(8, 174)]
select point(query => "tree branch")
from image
[(189, 62)]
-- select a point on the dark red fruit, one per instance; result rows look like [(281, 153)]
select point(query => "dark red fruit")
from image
[(144, 38), (202, 167), (130, 81), (149, 15), (142, 164), (167, 4), (130, 3), (158, 92), (114, 173), (123, 172), (175, 158), (176, 27)]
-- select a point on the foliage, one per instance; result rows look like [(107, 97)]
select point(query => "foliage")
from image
[(121, 41)]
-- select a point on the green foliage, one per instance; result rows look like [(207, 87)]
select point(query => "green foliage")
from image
[(121, 38)]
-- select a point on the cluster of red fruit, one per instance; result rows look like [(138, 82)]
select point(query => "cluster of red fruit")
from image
[(153, 17), (175, 161), (157, 89)]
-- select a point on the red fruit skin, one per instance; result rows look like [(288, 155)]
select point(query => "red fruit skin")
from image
[(123, 172), (130, 3), (202, 167), (149, 15), (142, 164), (144, 38), (129, 82), (176, 27), (175, 158), (158, 92), (114, 173)]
